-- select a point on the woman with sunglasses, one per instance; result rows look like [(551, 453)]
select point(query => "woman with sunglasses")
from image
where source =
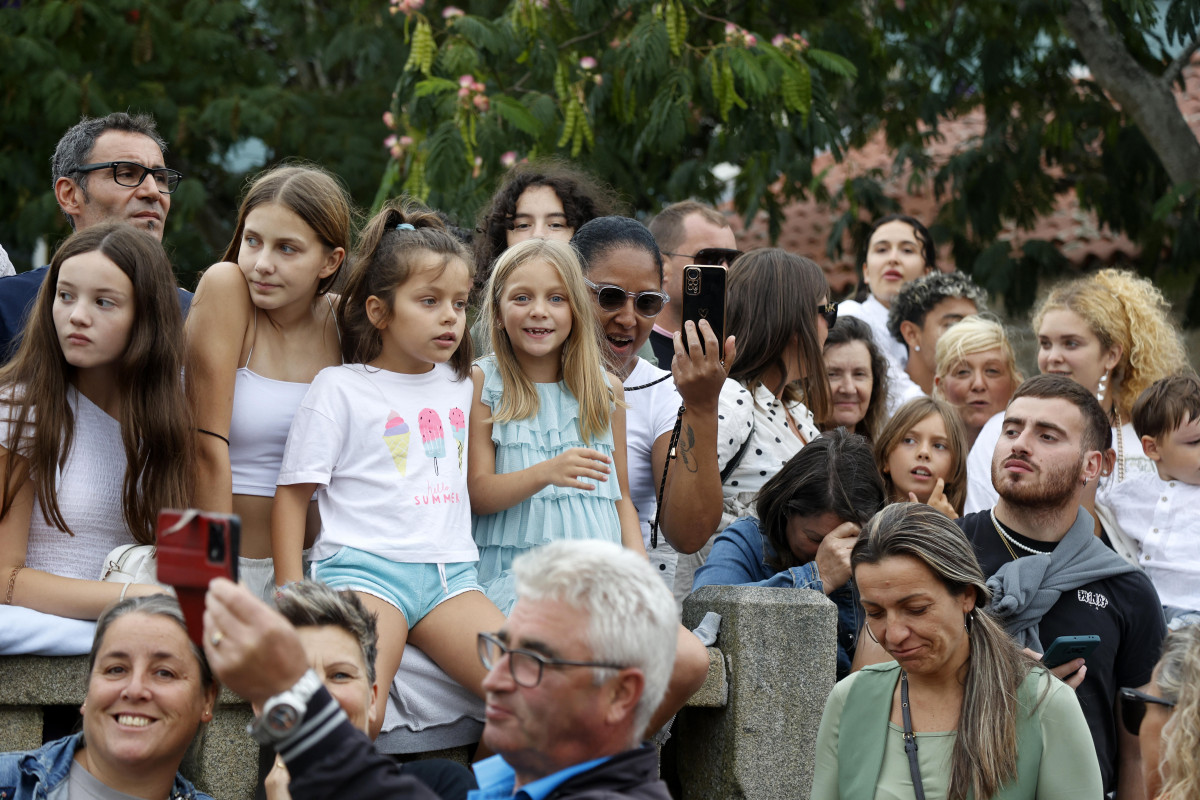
[(1166, 719), (960, 710), (624, 270)]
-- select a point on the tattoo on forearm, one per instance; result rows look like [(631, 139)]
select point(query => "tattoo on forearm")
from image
[(685, 449)]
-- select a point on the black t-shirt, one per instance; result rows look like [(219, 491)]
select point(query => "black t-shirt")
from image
[(1124, 611)]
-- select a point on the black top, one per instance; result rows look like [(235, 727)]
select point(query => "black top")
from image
[(1124, 611)]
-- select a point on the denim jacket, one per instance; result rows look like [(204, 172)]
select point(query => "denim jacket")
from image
[(739, 558), (33, 774)]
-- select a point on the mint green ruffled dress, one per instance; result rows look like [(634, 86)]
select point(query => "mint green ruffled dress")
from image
[(554, 513)]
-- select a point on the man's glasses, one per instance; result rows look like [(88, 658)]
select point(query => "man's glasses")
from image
[(1133, 708), (710, 256), (829, 312), (131, 175), (612, 298), (526, 667)]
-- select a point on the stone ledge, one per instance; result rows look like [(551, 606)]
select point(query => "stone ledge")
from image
[(715, 691)]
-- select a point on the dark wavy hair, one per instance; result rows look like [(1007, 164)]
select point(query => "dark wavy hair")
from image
[(834, 472), (156, 427), (583, 198), (772, 298), (385, 258), (917, 298), (852, 329), (928, 249)]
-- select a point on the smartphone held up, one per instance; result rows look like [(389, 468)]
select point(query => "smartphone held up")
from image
[(193, 548), (704, 298)]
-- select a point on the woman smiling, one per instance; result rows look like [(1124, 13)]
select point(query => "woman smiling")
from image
[(149, 692)]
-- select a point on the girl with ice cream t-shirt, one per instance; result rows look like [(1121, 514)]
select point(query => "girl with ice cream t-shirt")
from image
[(370, 441)]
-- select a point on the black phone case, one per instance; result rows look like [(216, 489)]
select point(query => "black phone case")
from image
[(704, 298)]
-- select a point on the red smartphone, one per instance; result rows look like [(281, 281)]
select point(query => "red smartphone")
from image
[(193, 548), (704, 298)]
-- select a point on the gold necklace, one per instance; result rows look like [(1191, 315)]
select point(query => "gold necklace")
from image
[(1003, 538)]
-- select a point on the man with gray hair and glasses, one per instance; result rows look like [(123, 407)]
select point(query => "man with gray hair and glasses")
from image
[(574, 676), (106, 169)]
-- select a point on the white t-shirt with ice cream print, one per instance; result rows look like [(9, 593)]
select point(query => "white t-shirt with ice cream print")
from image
[(388, 453)]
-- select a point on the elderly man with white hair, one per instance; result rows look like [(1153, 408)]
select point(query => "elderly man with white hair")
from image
[(574, 677)]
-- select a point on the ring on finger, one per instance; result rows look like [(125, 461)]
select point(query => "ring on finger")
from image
[(215, 639)]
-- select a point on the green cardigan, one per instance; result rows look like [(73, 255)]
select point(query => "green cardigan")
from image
[(1048, 711)]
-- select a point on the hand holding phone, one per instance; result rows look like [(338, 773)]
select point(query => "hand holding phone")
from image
[(1069, 648), (193, 548)]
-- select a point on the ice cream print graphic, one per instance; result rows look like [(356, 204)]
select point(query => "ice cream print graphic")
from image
[(458, 424), (396, 436), (432, 437)]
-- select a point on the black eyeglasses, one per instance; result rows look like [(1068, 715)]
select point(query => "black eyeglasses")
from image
[(829, 312), (526, 667), (131, 175), (1133, 708), (710, 256), (612, 298)]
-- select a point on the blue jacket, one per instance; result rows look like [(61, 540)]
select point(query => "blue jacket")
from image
[(739, 558), (34, 774)]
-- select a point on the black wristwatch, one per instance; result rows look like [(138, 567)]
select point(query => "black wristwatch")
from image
[(282, 714)]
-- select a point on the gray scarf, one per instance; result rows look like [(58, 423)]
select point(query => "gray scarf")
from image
[(1024, 590)]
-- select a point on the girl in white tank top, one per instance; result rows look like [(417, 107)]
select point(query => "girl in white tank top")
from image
[(258, 333)]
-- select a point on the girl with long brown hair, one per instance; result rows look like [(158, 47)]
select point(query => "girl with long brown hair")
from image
[(96, 431)]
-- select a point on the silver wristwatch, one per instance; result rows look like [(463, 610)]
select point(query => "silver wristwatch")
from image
[(282, 713)]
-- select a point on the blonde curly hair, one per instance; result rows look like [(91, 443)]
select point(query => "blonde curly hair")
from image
[(1178, 679), (1129, 311)]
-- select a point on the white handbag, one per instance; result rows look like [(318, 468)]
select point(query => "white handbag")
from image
[(131, 563)]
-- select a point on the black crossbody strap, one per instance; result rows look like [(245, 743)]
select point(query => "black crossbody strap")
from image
[(910, 738)]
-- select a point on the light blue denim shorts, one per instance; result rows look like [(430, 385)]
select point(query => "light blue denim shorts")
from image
[(414, 589)]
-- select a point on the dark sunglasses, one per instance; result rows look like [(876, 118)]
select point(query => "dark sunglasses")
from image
[(1133, 708), (829, 312), (612, 298), (710, 256)]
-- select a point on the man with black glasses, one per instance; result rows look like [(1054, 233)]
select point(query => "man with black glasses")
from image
[(687, 233), (106, 169), (574, 676)]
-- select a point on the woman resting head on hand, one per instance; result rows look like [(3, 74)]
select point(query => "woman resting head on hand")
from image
[(149, 693)]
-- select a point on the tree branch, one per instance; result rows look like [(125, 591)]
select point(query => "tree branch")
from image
[(1176, 68)]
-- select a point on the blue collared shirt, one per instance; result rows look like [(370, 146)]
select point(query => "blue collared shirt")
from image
[(496, 779)]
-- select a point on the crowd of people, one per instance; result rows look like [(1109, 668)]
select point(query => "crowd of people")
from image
[(477, 473)]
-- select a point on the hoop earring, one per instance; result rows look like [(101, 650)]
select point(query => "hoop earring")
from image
[(1102, 388)]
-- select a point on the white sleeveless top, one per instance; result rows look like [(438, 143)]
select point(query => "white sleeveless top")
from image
[(89, 489)]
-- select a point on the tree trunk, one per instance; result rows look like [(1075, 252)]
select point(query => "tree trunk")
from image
[(1145, 97)]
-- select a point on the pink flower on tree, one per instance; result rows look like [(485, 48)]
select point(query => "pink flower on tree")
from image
[(452, 12), (508, 159), (389, 120), (587, 63)]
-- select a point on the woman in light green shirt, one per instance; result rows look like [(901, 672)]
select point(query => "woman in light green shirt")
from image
[(988, 722)]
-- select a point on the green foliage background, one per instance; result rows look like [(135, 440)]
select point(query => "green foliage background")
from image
[(678, 87)]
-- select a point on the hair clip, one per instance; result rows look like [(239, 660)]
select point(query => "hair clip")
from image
[(405, 226)]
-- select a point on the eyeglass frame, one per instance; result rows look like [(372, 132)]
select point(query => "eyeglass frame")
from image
[(145, 171), (484, 639), (829, 311), (1129, 696), (706, 262), (597, 287)]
